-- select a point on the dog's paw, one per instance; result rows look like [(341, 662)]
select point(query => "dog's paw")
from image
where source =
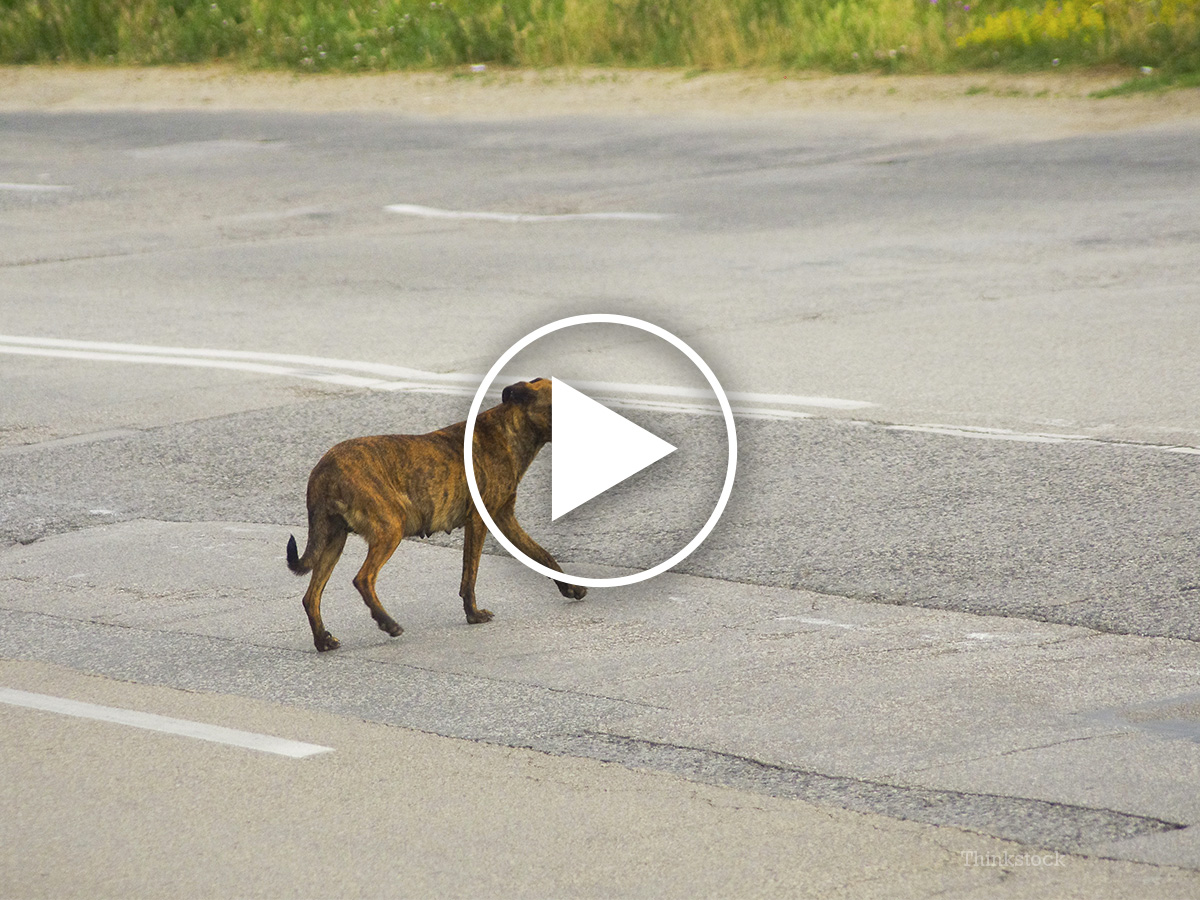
[(326, 642), (571, 591), (390, 626), (480, 616)]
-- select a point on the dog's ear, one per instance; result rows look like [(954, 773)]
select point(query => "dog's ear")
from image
[(518, 393)]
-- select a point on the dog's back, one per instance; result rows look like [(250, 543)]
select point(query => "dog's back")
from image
[(411, 482)]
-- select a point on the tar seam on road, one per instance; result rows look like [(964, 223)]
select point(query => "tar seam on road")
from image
[(1054, 826)]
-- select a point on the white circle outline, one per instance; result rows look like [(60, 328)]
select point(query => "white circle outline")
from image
[(600, 319)]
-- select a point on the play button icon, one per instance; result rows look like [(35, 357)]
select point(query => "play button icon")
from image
[(594, 449)]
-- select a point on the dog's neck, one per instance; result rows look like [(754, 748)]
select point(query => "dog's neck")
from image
[(521, 441)]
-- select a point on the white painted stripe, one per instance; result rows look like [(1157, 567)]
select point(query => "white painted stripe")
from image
[(796, 400), (9, 186), (772, 415), (187, 150), (698, 408), (429, 212), (381, 369), (992, 434), (409, 380), (402, 379), (667, 390), (195, 362), (164, 724), (1034, 437), (809, 620), (376, 384)]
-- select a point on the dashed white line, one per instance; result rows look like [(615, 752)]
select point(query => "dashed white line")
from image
[(218, 734), (430, 212), (33, 188), (810, 620)]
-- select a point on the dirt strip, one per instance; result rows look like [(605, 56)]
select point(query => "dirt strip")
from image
[(1039, 105)]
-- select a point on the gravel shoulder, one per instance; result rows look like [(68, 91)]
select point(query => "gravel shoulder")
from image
[(1036, 106)]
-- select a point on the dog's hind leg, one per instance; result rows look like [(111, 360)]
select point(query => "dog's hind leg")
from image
[(327, 544), (380, 546), (473, 534)]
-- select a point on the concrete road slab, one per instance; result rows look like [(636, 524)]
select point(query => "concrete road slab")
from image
[(820, 696), (115, 812)]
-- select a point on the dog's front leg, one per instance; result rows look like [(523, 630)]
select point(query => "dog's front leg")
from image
[(474, 532), (507, 521)]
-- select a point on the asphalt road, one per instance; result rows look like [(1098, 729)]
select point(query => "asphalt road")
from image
[(966, 525)]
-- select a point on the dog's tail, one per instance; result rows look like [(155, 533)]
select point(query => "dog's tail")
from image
[(294, 562)]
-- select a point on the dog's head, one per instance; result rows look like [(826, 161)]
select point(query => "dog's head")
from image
[(533, 399)]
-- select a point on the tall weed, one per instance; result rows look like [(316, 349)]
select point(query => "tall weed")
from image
[(1134, 32), (841, 35)]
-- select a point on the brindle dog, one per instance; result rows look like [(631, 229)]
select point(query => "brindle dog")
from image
[(390, 487)]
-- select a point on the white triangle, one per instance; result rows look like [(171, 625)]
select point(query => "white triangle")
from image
[(594, 449)]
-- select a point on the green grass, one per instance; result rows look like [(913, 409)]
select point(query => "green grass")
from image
[(696, 35), (1151, 83)]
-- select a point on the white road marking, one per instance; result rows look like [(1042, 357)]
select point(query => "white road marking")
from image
[(387, 377), (989, 636), (809, 620), (193, 362), (429, 212), (666, 390), (9, 186), (703, 409), (1033, 437), (380, 369), (400, 378), (189, 150), (150, 722), (992, 434)]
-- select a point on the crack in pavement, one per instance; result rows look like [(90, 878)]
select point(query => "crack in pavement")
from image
[(1053, 826)]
